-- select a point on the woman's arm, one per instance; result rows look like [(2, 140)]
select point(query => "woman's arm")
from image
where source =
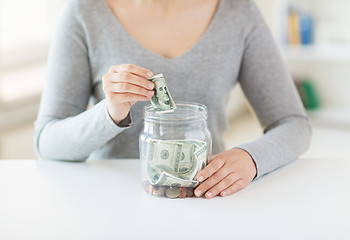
[(64, 129), (273, 96)]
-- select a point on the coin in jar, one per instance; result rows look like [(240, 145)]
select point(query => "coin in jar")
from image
[(183, 192), (158, 191), (173, 192), (148, 187), (190, 192)]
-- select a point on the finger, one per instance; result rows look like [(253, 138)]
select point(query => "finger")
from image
[(212, 181), (127, 97), (132, 68), (222, 185), (235, 187), (128, 78), (130, 88), (209, 170)]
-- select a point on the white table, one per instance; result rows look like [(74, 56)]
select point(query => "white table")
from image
[(308, 199)]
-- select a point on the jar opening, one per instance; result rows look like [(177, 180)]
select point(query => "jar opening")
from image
[(185, 111)]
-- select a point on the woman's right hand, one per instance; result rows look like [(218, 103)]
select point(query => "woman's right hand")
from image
[(123, 86)]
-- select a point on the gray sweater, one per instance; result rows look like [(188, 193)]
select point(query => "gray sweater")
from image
[(236, 48)]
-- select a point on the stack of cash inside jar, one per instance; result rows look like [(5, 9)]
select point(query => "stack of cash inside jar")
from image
[(172, 166)]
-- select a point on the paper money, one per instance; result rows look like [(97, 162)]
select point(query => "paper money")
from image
[(162, 100), (187, 161), (165, 155), (167, 179), (201, 156), (175, 163), (153, 174)]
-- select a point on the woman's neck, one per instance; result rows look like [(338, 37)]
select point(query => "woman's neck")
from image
[(158, 6)]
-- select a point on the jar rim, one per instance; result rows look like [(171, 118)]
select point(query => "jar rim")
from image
[(185, 111)]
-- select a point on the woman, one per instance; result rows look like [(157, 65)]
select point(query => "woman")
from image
[(106, 51)]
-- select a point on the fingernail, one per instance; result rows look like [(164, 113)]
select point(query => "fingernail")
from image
[(149, 74), (224, 194), (200, 178), (198, 193), (209, 194), (150, 93), (150, 85)]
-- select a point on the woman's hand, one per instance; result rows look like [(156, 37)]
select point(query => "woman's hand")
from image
[(227, 173), (123, 86)]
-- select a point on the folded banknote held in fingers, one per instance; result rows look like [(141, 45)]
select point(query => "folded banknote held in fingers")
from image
[(161, 100)]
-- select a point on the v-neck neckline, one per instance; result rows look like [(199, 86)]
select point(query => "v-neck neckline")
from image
[(207, 33)]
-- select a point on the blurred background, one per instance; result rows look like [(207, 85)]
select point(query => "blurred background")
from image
[(313, 35)]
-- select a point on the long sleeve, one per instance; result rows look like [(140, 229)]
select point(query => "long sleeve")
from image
[(273, 96), (65, 129)]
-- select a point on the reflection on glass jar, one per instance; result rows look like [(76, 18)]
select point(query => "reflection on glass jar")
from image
[(174, 147)]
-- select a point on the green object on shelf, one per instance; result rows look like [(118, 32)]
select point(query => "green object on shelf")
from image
[(308, 94)]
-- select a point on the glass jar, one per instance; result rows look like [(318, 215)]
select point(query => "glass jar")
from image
[(174, 147)]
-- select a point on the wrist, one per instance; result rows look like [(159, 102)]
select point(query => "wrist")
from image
[(126, 122), (115, 115), (251, 160)]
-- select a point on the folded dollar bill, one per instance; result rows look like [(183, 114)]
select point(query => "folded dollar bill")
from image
[(161, 100)]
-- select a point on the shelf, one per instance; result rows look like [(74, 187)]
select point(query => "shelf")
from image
[(336, 117), (317, 53)]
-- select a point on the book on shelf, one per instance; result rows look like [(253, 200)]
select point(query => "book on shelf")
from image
[(300, 27), (308, 93)]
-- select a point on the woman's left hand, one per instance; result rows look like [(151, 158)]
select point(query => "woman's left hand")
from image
[(227, 173)]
